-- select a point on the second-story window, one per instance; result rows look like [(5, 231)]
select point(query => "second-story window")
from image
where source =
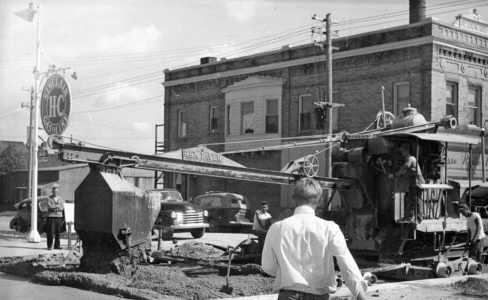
[(227, 121), (247, 117), (305, 110), (272, 116), (182, 119), (452, 99), (474, 105), (401, 97), (213, 119)]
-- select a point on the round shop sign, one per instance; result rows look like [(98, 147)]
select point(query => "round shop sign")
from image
[(55, 104)]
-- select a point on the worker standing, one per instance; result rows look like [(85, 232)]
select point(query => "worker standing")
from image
[(476, 232), (262, 222), (414, 204), (55, 209)]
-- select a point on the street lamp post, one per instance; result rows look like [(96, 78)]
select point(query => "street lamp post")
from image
[(33, 236)]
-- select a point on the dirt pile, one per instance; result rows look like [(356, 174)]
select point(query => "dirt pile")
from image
[(147, 282), (473, 286), (180, 278)]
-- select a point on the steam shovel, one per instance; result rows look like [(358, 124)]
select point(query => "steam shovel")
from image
[(226, 288)]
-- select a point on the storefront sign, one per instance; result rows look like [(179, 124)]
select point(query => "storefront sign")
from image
[(55, 104), (458, 164), (202, 156)]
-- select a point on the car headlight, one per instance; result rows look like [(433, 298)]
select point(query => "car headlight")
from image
[(178, 218), (205, 213)]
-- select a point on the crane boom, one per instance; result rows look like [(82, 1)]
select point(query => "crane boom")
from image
[(120, 159)]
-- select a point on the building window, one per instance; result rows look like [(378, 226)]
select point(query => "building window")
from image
[(182, 118), (474, 105), (271, 116), (213, 119), (452, 99), (227, 121), (305, 111), (247, 117), (401, 96)]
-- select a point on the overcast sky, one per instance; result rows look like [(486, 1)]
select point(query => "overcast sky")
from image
[(119, 50)]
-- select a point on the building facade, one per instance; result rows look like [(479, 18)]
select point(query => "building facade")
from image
[(270, 99)]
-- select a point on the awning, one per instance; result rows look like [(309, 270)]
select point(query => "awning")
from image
[(441, 137)]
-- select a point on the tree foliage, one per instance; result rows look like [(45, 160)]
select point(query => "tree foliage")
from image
[(11, 159)]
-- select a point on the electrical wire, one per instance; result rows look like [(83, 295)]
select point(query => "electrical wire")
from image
[(300, 31), (138, 102), (156, 76)]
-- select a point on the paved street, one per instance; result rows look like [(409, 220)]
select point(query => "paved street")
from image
[(12, 245)]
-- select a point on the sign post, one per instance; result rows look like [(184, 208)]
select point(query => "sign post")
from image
[(33, 235)]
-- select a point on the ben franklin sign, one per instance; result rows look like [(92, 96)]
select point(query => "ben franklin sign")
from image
[(55, 104)]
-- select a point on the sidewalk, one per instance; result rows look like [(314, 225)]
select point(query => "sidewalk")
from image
[(15, 246)]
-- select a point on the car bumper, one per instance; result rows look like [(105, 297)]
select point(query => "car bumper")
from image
[(188, 226), (240, 224)]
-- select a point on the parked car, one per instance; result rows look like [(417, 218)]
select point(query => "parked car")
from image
[(22, 221), (177, 215), (226, 211)]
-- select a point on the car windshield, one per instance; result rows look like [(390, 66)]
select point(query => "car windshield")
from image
[(171, 195)]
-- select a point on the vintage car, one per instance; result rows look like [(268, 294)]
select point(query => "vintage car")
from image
[(177, 215), (22, 221), (226, 211)]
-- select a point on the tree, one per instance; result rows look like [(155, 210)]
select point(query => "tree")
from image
[(11, 159)]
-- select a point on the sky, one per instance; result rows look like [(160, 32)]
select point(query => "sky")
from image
[(119, 50)]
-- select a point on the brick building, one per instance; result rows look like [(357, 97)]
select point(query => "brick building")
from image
[(269, 98)]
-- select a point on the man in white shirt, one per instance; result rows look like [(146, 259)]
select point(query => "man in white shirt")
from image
[(299, 251), (476, 233)]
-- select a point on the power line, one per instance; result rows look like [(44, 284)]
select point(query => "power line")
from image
[(142, 101), (153, 76)]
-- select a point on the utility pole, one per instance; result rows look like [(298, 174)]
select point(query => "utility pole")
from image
[(329, 89), (328, 105), (33, 236)]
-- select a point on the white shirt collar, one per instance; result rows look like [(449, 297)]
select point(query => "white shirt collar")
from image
[(304, 209)]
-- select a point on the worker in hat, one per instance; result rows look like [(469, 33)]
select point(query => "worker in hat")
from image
[(55, 209), (475, 232)]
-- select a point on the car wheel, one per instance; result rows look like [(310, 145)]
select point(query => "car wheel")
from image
[(198, 233), (18, 224), (167, 234), (213, 226)]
